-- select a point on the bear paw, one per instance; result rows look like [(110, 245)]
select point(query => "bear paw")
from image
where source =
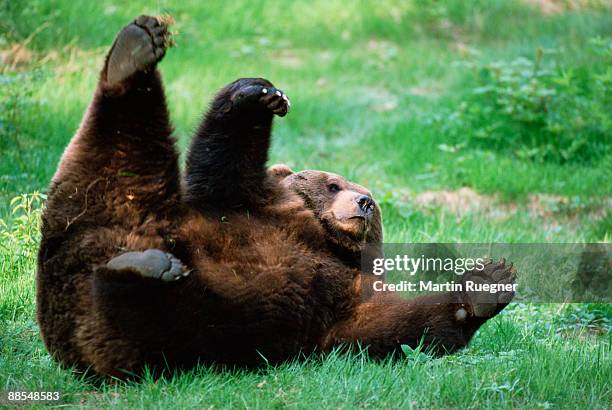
[(485, 304), (258, 91), (151, 263), (275, 100), (140, 45)]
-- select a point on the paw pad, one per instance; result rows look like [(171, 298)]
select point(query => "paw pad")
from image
[(137, 47), (152, 263)]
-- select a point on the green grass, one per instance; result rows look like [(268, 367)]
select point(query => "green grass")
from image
[(377, 91)]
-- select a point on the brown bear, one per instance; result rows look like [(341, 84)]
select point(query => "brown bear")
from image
[(266, 262)]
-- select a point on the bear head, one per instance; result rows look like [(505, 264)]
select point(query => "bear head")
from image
[(347, 211)]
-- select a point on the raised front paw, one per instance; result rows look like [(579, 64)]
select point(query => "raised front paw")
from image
[(259, 92), (138, 46), (487, 291), (151, 263)]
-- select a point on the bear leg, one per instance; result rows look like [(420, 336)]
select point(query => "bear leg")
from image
[(228, 154), (443, 323), (118, 176), (122, 164)]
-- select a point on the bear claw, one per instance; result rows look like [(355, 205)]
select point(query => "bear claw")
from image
[(461, 314), (152, 263)]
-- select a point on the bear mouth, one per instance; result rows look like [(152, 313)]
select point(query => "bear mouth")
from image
[(355, 227), (365, 214), (348, 230)]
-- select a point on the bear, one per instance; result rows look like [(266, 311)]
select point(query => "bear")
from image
[(235, 264)]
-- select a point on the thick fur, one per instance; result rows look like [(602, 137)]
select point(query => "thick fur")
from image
[(265, 285)]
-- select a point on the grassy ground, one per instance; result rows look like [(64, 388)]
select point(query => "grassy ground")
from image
[(508, 100)]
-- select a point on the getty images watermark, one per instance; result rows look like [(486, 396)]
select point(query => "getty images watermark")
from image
[(411, 266), (544, 272)]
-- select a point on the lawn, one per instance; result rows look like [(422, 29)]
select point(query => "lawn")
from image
[(479, 121)]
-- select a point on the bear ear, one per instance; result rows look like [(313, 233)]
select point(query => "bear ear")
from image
[(279, 171)]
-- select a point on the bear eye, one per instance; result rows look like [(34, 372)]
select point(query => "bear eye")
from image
[(333, 188)]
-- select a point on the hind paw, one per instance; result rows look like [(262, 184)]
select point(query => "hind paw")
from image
[(139, 46), (151, 263)]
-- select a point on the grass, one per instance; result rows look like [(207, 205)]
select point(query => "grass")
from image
[(377, 91)]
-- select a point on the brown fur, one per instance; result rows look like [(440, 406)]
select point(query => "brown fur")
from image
[(272, 275)]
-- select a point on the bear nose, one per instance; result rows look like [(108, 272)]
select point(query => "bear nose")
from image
[(366, 204)]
